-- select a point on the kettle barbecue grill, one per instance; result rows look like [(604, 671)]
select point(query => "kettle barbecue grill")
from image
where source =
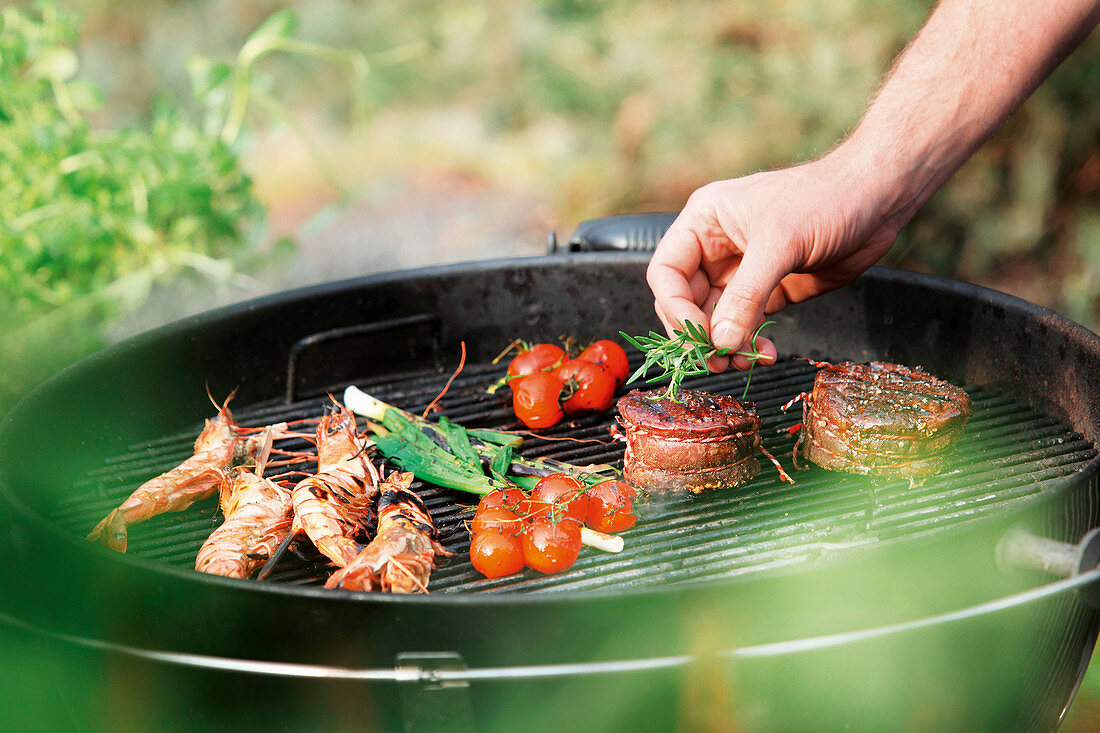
[(835, 603)]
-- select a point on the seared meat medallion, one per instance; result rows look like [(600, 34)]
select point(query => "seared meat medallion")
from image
[(705, 441), (882, 419)]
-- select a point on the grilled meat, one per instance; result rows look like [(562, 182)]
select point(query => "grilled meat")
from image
[(882, 419), (706, 441)]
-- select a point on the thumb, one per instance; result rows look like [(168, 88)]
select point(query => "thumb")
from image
[(741, 305)]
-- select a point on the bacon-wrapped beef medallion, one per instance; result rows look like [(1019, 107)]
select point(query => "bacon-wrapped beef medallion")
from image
[(704, 441), (882, 419)]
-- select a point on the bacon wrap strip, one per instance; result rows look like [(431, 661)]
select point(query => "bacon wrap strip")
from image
[(401, 556), (702, 442)]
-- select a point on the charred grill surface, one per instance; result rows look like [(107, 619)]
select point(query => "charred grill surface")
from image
[(1008, 453), (698, 442), (883, 419)]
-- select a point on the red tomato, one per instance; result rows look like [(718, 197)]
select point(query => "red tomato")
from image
[(514, 500), (592, 385), (610, 506), (535, 399), (612, 356), (558, 495), (496, 519), (536, 358), (551, 547), (495, 555)]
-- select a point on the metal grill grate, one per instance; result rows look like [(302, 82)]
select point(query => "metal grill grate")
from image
[(1009, 452)]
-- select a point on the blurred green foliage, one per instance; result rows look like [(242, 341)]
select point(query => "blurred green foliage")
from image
[(619, 106), (90, 220), (93, 219), (82, 209), (597, 108)]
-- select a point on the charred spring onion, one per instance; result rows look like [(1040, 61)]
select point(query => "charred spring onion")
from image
[(473, 460)]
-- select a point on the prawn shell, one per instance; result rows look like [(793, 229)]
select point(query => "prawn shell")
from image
[(401, 557)]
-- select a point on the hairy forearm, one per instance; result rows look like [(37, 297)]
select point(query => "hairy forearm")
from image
[(971, 65)]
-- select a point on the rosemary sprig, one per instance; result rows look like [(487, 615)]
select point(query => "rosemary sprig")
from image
[(685, 355), (753, 355)]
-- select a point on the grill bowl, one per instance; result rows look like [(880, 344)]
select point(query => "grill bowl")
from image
[(1027, 362)]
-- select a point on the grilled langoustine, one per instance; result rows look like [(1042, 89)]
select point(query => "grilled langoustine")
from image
[(330, 506), (220, 444), (401, 556), (257, 518)]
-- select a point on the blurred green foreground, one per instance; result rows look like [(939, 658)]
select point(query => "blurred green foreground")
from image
[(161, 158)]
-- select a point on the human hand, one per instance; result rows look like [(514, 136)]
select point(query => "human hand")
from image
[(747, 247)]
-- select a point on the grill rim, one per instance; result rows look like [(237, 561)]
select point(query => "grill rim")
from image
[(1086, 339), (1032, 702)]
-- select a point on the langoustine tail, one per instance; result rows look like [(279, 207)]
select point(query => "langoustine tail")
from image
[(111, 531), (341, 550), (355, 576)]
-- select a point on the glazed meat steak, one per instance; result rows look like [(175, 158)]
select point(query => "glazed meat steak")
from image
[(704, 441), (882, 419)]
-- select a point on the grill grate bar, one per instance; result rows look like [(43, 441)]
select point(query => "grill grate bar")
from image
[(859, 520), (1008, 422), (859, 515), (612, 454), (1008, 453), (673, 553)]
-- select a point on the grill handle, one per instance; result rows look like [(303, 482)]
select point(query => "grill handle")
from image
[(1020, 549), (439, 669), (430, 701), (411, 324), (622, 233)]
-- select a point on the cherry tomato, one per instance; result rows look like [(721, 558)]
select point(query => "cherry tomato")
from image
[(551, 547), (592, 385), (496, 519), (535, 399), (536, 358), (558, 495), (514, 500), (612, 356), (495, 555), (610, 506)]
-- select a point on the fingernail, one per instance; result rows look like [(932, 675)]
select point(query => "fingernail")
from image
[(726, 333), (718, 363)]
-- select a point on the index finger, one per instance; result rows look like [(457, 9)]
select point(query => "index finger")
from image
[(675, 262)]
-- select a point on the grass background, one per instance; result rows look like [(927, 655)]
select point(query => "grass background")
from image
[(485, 125)]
